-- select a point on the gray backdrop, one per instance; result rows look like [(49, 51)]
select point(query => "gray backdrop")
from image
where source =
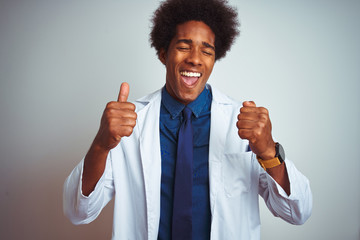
[(62, 61)]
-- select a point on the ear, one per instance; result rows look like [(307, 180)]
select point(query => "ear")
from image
[(162, 56)]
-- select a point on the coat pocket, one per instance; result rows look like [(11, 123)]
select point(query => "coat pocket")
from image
[(236, 173)]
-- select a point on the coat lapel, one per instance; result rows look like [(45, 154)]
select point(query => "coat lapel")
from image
[(221, 109), (149, 137)]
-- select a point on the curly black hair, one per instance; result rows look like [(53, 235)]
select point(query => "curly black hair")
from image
[(217, 14)]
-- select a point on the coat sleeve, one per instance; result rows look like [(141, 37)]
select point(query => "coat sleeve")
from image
[(297, 207), (82, 209)]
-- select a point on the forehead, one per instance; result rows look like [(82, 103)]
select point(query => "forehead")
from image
[(196, 31)]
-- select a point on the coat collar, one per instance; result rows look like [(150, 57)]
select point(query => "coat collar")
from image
[(218, 98)]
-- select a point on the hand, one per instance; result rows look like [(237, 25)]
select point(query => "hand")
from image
[(118, 120), (254, 125)]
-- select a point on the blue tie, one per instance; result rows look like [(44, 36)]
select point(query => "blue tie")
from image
[(182, 210)]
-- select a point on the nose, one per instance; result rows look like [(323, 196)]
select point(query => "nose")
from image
[(194, 57)]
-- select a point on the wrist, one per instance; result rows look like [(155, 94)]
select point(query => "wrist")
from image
[(277, 159), (269, 153), (98, 148)]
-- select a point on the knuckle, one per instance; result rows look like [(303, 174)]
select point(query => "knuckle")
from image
[(110, 104), (132, 106), (264, 110), (128, 131), (111, 111), (244, 109), (263, 117), (257, 133), (252, 140), (133, 115), (129, 121), (261, 124), (116, 138), (244, 133), (127, 106)]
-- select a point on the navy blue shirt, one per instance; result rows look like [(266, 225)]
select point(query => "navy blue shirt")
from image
[(170, 121)]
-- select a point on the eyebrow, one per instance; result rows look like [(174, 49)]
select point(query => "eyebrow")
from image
[(189, 41)]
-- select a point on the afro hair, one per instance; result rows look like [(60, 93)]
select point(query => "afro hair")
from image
[(217, 14)]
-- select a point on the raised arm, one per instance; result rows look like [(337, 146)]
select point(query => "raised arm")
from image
[(254, 125), (118, 120)]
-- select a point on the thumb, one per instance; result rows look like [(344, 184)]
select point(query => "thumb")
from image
[(124, 92), (249, 104)]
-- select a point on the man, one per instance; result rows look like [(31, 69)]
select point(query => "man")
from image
[(140, 153)]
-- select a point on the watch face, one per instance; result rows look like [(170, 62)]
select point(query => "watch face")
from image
[(281, 152)]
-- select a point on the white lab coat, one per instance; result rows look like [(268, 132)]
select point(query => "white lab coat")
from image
[(133, 174)]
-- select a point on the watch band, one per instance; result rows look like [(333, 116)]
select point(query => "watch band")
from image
[(265, 164), (276, 161)]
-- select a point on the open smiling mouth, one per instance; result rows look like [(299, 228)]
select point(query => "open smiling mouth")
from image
[(190, 78)]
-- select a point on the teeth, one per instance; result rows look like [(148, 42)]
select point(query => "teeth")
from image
[(190, 74)]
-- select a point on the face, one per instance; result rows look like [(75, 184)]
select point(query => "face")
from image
[(189, 60)]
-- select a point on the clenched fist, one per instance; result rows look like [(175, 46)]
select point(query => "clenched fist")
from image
[(254, 125), (118, 120)]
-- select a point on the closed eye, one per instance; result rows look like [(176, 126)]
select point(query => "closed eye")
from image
[(207, 53), (183, 48)]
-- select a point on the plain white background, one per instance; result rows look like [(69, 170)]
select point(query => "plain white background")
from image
[(62, 61)]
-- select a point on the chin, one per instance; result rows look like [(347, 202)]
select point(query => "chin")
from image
[(188, 98)]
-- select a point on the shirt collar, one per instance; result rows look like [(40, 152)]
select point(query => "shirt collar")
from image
[(197, 106)]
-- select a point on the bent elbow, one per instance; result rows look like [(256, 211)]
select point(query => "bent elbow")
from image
[(75, 216), (301, 218), (303, 212)]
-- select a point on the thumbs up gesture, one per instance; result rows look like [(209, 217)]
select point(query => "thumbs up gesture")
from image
[(118, 120), (254, 125)]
